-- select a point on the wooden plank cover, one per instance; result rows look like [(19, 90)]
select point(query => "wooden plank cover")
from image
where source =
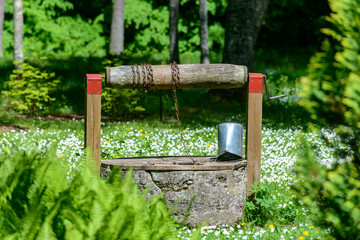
[(173, 164)]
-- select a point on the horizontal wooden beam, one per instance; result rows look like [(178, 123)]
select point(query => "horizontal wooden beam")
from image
[(206, 76)]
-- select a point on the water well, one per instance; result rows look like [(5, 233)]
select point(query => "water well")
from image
[(219, 187)]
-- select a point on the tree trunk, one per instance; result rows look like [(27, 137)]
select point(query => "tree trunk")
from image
[(173, 21), (239, 35), (18, 33), (204, 33), (260, 10), (2, 15), (174, 41), (117, 28)]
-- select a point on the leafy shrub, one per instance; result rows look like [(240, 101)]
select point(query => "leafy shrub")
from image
[(331, 91), (30, 89), (39, 201), (332, 194), (262, 208), (120, 101), (116, 102)]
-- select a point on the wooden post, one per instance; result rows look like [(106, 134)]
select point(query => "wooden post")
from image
[(93, 118), (253, 128)]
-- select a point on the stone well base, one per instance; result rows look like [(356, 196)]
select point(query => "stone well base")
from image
[(219, 194)]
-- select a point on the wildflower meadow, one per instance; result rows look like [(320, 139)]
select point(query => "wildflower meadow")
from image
[(282, 214)]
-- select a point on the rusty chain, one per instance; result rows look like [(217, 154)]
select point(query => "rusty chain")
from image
[(175, 79), (150, 76), (134, 75), (148, 81), (144, 76), (138, 77), (147, 76)]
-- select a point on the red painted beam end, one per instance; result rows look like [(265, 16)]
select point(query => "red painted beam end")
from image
[(93, 83), (255, 82)]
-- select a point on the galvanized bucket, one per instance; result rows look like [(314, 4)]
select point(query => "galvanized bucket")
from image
[(230, 141)]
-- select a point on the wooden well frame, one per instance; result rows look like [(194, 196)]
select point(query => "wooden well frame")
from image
[(252, 81)]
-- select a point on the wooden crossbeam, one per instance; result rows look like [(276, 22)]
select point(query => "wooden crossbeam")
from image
[(207, 76)]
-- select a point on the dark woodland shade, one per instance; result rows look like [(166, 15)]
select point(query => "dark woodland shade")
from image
[(173, 28), (239, 35)]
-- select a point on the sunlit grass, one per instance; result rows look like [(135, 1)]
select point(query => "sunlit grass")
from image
[(137, 139)]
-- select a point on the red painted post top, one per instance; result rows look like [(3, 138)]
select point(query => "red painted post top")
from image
[(93, 83), (255, 82)]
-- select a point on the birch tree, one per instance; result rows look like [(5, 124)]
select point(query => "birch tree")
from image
[(117, 28), (204, 32), (18, 33), (2, 15)]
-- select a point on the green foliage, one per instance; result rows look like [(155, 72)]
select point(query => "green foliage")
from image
[(39, 201), (116, 101), (323, 90), (260, 206), (120, 101), (331, 91), (49, 31), (62, 28), (332, 194), (30, 89), (149, 27), (263, 207)]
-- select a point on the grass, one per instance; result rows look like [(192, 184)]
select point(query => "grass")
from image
[(246, 231), (279, 206)]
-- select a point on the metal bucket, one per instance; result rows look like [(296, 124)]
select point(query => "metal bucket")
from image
[(230, 141)]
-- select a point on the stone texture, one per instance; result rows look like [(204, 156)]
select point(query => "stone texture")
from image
[(219, 195)]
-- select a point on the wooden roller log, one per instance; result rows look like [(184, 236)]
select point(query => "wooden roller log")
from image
[(213, 76)]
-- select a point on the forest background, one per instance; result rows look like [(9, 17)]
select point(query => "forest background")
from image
[(72, 38)]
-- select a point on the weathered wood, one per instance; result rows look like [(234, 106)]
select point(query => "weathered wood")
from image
[(93, 119), (92, 128), (173, 164), (253, 138), (211, 76)]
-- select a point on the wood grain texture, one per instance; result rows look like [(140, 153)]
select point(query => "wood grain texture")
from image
[(173, 164), (207, 76), (93, 128), (253, 138)]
